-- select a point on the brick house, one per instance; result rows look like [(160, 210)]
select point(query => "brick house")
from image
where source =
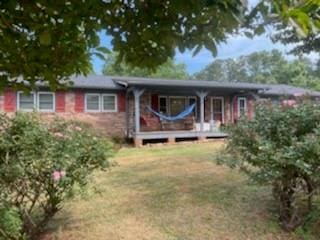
[(118, 106)]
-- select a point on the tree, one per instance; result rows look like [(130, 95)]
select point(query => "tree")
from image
[(309, 43), (280, 148), (256, 67), (48, 41), (169, 70), (263, 67)]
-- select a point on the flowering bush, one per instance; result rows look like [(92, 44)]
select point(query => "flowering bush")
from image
[(281, 147), (40, 163)]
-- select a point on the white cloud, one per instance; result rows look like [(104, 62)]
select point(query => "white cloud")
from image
[(235, 46)]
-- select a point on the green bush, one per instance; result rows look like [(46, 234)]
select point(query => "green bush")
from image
[(40, 164), (281, 147)]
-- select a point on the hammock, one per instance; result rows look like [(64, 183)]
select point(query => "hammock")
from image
[(179, 116)]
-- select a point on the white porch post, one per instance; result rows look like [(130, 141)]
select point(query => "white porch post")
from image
[(137, 93), (202, 95)]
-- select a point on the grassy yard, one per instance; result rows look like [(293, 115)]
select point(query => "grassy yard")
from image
[(170, 193)]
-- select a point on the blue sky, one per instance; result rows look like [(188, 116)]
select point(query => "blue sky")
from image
[(235, 46)]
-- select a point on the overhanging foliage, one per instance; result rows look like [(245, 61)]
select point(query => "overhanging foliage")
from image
[(50, 40)]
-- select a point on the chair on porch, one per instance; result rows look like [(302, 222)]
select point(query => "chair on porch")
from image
[(150, 123)]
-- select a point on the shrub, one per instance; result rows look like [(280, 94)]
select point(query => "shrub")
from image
[(281, 147), (40, 164)]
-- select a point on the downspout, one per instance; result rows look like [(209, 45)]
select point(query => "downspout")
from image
[(128, 91), (127, 114), (232, 107)]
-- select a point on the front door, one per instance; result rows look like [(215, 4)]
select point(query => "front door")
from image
[(217, 106)]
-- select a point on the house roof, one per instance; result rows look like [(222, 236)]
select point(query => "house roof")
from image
[(154, 82), (118, 83), (282, 89), (94, 82)]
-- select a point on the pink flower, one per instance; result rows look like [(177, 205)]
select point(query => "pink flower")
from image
[(289, 103), (57, 175)]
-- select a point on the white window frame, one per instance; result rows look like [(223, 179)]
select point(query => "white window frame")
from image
[(245, 106), (166, 98), (99, 102), (170, 97), (53, 104), (18, 102), (186, 102), (115, 102), (222, 106), (101, 95)]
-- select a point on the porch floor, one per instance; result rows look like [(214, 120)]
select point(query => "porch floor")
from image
[(171, 136)]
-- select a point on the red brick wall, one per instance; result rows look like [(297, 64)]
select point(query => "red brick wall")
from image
[(145, 100), (110, 123)]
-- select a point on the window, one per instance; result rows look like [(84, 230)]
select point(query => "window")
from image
[(177, 105), (46, 101), (109, 103), (95, 102), (242, 106), (41, 101), (163, 105), (92, 102), (217, 109), (174, 105), (26, 102)]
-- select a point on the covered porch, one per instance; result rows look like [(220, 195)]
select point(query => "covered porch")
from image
[(215, 106)]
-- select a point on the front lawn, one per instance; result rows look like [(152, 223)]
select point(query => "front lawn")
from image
[(170, 192)]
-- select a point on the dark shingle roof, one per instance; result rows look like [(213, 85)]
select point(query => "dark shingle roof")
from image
[(118, 83), (94, 82), (286, 90), (153, 82)]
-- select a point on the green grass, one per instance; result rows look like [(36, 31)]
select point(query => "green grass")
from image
[(170, 193)]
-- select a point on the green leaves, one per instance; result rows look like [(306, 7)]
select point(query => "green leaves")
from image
[(38, 36), (264, 67), (280, 147), (170, 69), (45, 38), (42, 164)]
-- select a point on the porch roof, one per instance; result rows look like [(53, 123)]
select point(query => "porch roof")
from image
[(186, 84)]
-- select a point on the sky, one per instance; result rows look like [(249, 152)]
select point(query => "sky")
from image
[(235, 46)]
